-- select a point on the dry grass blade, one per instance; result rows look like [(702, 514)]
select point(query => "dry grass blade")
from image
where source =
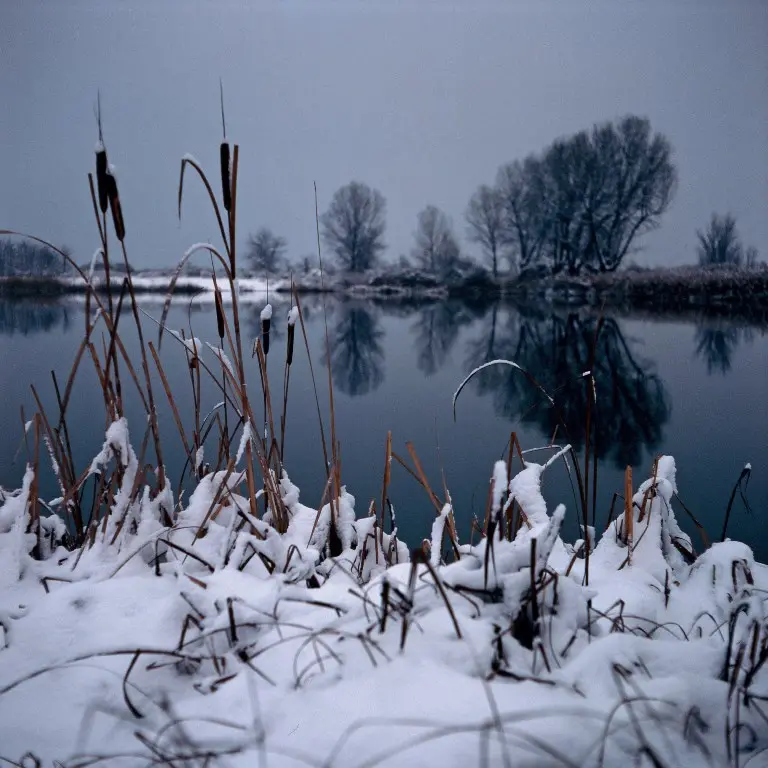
[(152, 411), (699, 526), (743, 478), (422, 477), (385, 483), (326, 465), (265, 384), (591, 402), (187, 160), (169, 396), (179, 268), (510, 363)]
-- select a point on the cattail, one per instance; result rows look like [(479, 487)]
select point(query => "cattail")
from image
[(220, 315), (114, 203), (101, 175), (226, 182), (293, 315), (266, 322)]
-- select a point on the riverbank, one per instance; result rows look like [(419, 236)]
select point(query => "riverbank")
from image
[(143, 284), (681, 291)]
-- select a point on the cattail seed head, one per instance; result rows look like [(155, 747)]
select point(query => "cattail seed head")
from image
[(226, 182), (289, 355), (114, 204), (219, 314), (101, 176), (266, 322), (293, 316)]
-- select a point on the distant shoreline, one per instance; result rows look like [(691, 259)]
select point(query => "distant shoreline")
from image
[(723, 292)]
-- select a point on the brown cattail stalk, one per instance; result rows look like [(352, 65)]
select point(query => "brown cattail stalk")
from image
[(293, 315), (629, 515), (385, 483)]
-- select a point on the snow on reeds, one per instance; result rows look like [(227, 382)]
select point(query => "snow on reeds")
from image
[(215, 618)]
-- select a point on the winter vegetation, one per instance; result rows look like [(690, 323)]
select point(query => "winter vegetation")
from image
[(216, 618), (436, 249), (354, 225), (266, 252), (30, 259), (720, 245)]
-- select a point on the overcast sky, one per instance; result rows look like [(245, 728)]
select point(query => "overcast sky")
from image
[(422, 100)]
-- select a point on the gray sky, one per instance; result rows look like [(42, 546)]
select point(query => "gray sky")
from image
[(422, 100)]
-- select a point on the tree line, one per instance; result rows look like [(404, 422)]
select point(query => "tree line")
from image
[(19, 258), (579, 206)]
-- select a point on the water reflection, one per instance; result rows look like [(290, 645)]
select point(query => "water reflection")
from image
[(357, 356), (716, 345), (28, 317), (435, 332), (632, 402)]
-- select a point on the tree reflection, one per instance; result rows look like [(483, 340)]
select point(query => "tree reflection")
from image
[(632, 402), (28, 317), (716, 346), (435, 333), (357, 356)]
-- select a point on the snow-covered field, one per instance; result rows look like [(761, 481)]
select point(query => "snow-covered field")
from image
[(219, 641)]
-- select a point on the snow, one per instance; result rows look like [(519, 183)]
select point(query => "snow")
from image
[(266, 313), (245, 438), (293, 315), (192, 343), (263, 649), (223, 359), (189, 288), (436, 540), (97, 254)]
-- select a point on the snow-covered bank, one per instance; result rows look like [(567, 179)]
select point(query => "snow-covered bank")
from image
[(253, 288), (219, 641)]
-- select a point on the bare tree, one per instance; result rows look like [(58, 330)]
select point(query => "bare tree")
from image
[(436, 247), (632, 182), (353, 226), (485, 220), (524, 223), (721, 243), (266, 251), (751, 259), (586, 200)]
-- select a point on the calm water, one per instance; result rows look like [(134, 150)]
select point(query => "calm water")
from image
[(697, 392)]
